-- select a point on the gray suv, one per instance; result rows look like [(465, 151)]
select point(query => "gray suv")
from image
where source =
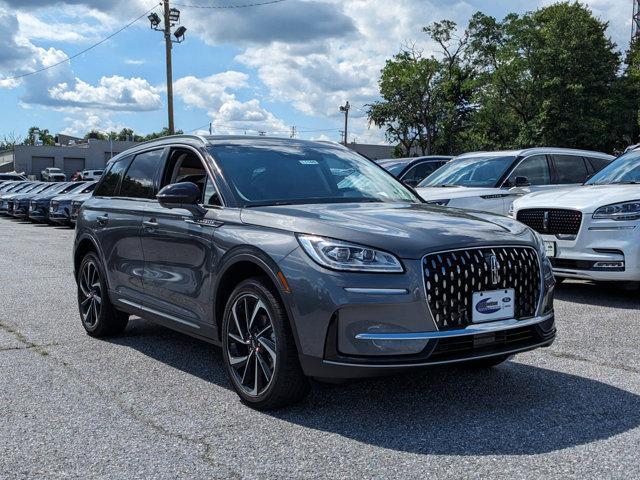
[(303, 259)]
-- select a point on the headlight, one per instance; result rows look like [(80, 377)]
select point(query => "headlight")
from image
[(443, 202), (512, 211), (340, 255), (619, 211)]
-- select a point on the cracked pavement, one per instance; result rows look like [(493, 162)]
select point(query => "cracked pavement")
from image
[(156, 404)]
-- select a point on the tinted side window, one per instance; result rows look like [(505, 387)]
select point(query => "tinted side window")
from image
[(598, 163), (138, 182), (534, 168), (109, 183), (570, 169), (420, 171)]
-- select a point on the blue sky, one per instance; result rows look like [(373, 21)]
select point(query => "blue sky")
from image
[(260, 68)]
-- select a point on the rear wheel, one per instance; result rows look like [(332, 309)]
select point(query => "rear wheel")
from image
[(259, 351), (99, 316)]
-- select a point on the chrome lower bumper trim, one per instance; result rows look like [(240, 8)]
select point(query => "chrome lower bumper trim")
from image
[(378, 291), (470, 330)]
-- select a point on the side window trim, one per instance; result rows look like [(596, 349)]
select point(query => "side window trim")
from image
[(125, 159), (205, 164), (520, 160), (155, 181), (585, 164)]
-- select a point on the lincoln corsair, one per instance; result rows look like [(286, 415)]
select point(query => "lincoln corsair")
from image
[(303, 259)]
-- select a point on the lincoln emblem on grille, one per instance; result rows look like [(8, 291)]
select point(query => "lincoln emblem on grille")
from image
[(545, 222), (492, 260)]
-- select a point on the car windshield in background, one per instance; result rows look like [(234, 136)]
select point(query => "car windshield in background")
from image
[(393, 166), (625, 169), (273, 174), (470, 172)]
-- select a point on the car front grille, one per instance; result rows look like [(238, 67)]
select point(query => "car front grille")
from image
[(552, 221), (452, 277)]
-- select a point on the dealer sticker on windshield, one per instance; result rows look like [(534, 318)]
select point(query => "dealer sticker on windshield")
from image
[(493, 305)]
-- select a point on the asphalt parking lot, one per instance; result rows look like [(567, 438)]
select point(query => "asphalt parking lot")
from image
[(157, 404)]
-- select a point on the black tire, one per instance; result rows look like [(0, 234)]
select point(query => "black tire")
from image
[(251, 346), (488, 362), (98, 315)]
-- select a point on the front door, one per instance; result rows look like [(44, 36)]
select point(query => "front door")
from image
[(178, 251)]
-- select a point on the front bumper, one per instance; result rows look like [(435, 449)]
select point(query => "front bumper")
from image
[(39, 212), (603, 250), (60, 213), (375, 324)]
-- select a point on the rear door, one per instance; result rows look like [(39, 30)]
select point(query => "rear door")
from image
[(115, 215)]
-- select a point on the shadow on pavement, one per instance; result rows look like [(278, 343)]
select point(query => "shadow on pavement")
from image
[(613, 295), (514, 409)]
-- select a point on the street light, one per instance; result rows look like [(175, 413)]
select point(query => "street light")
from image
[(179, 34), (174, 15), (154, 19)]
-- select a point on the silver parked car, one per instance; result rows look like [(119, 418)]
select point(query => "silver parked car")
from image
[(52, 174)]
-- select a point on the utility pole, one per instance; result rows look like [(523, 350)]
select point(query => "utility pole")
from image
[(171, 17), (210, 128), (294, 131), (345, 109), (168, 45)]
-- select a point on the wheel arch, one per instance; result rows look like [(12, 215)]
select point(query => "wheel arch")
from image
[(84, 244), (244, 263)]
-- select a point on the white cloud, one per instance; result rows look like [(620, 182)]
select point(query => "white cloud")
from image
[(209, 92), (215, 94), (112, 93), (134, 61), (83, 122)]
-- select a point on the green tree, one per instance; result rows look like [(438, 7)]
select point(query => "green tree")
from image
[(549, 78), (427, 101), (43, 136), (95, 134)]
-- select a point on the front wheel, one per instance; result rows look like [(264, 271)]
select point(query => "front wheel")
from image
[(259, 351)]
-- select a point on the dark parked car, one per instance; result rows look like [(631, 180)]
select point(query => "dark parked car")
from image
[(19, 204), (303, 259), (412, 170), (76, 204), (7, 197), (60, 207), (39, 204)]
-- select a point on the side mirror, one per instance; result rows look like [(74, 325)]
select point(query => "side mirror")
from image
[(182, 195), (522, 182)]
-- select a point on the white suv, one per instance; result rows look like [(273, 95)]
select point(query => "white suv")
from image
[(592, 231), (491, 181)]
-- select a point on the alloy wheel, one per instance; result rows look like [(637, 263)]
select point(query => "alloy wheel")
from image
[(91, 294), (251, 344)]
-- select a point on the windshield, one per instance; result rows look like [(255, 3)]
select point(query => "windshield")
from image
[(393, 166), (470, 172), (268, 173), (625, 169)]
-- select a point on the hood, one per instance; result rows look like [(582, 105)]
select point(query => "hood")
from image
[(587, 198), (441, 193), (407, 230)]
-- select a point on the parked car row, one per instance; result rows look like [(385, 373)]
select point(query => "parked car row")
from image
[(48, 202), (586, 205)]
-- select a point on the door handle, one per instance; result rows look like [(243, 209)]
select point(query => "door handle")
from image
[(150, 224), (102, 219)]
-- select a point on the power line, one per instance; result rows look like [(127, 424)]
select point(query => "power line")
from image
[(82, 51), (223, 7)]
